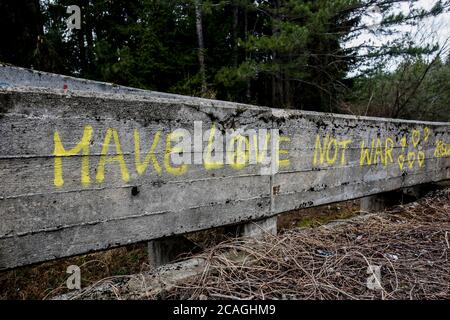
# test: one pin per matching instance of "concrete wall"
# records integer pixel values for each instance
(89, 169)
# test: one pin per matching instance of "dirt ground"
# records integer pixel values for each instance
(311, 258)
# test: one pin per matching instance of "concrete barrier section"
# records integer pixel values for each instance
(88, 166)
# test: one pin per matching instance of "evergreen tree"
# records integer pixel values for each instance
(278, 53)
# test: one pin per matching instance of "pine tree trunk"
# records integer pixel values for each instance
(82, 52)
(248, 92)
(21, 26)
(235, 34)
(201, 44)
(276, 77)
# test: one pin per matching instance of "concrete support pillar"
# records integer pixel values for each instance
(419, 191)
(381, 201)
(257, 229)
(373, 203)
(166, 250)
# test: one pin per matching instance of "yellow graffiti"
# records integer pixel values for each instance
(260, 155)
(415, 156)
(426, 133)
(171, 150)
(329, 150)
(411, 159)
(379, 155)
(343, 144)
(366, 154)
(105, 158)
(239, 157)
(421, 158)
(285, 162)
(82, 146)
(208, 163)
(332, 145)
(141, 167)
(378, 152)
(416, 138)
(403, 142)
(382, 152)
(388, 148)
(318, 148)
(442, 149)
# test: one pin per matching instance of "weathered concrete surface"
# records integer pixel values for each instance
(122, 201)
(16, 77)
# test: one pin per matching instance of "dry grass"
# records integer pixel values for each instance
(49, 279)
(317, 216)
(409, 243)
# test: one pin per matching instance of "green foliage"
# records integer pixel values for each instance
(416, 90)
(278, 53)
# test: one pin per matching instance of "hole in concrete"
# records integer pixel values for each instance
(134, 191)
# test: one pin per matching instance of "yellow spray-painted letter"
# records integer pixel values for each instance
(142, 166)
(59, 152)
(105, 158)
